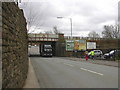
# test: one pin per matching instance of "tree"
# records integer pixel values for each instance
(55, 30)
(111, 31)
(32, 15)
(93, 34)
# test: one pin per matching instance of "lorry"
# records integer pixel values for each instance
(33, 50)
(46, 50)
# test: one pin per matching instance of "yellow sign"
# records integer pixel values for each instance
(80, 44)
(76, 44)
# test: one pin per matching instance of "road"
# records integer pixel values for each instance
(63, 73)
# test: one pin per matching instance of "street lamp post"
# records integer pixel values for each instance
(71, 26)
(70, 23)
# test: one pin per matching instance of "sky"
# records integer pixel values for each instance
(87, 15)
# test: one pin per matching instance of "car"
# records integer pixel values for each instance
(98, 53)
(112, 54)
(106, 56)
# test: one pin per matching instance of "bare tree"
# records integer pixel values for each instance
(32, 16)
(107, 33)
(93, 34)
(55, 30)
(111, 31)
(116, 31)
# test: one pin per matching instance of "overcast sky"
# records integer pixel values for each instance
(87, 15)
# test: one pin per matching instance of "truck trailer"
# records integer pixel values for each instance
(33, 50)
(46, 50)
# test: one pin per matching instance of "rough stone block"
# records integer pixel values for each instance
(15, 63)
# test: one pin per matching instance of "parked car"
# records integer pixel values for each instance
(112, 54)
(98, 53)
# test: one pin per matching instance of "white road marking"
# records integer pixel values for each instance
(91, 71)
(68, 64)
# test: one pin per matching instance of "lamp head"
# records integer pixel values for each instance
(59, 17)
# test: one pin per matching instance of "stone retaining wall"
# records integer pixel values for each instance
(14, 46)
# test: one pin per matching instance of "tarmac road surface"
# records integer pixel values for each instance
(60, 73)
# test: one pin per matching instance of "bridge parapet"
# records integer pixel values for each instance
(43, 37)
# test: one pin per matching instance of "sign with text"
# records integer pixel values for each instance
(69, 45)
(76, 45)
(82, 44)
(91, 45)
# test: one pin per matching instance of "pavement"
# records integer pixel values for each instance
(32, 81)
(101, 62)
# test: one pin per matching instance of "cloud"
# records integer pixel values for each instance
(87, 15)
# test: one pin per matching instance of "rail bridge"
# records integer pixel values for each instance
(53, 39)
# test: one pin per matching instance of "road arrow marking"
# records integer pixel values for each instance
(91, 71)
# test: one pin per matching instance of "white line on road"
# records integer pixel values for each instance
(91, 71)
(68, 64)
